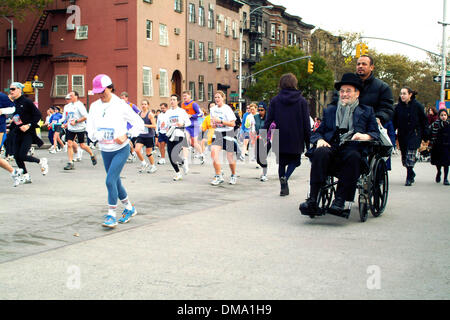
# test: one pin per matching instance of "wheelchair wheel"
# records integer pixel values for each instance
(326, 194)
(379, 190)
(363, 208)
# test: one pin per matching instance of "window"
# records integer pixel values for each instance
(290, 38)
(61, 85)
(163, 83)
(218, 58)
(192, 89)
(201, 51)
(191, 49)
(191, 16)
(147, 85)
(201, 91)
(235, 61)
(211, 19)
(244, 48)
(201, 16)
(149, 29)
(253, 49)
(44, 38)
(163, 35)
(210, 52)
(227, 27)
(78, 84)
(210, 92)
(244, 18)
(234, 29)
(226, 58)
(81, 33)
(179, 5)
(266, 30)
(272, 31)
(218, 26)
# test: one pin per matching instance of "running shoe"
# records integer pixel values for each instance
(94, 160)
(17, 176)
(143, 167)
(151, 169)
(44, 166)
(233, 179)
(110, 222)
(178, 177)
(263, 178)
(69, 166)
(52, 149)
(26, 179)
(127, 214)
(217, 180)
(162, 161)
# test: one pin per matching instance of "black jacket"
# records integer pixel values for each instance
(411, 122)
(290, 112)
(26, 113)
(363, 122)
(377, 94)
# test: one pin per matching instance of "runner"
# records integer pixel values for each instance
(223, 120)
(75, 116)
(146, 139)
(178, 120)
(161, 130)
(107, 124)
(23, 129)
(192, 131)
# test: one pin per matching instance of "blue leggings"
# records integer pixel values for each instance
(114, 163)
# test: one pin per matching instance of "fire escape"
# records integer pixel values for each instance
(34, 54)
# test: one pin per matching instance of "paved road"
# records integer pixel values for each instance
(194, 241)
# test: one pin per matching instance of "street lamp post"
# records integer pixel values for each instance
(12, 47)
(444, 55)
(241, 31)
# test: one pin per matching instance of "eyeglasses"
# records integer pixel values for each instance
(261, 109)
(12, 89)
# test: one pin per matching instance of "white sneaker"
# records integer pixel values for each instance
(152, 169)
(26, 179)
(217, 180)
(233, 179)
(185, 167)
(51, 149)
(263, 178)
(143, 167)
(178, 176)
(162, 161)
(17, 176)
(44, 166)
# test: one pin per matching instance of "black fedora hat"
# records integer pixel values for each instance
(350, 79)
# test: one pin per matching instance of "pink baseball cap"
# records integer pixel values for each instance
(100, 83)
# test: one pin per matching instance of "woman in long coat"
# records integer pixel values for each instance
(411, 122)
(290, 113)
(440, 145)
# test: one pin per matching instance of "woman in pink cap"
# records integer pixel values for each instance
(107, 124)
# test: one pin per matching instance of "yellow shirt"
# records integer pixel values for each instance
(206, 125)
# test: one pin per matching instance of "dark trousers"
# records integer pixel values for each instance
(343, 162)
(262, 151)
(22, 145)
(174, 149)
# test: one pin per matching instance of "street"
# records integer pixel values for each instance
(191, 240)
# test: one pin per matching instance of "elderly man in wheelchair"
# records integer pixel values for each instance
(340, 146)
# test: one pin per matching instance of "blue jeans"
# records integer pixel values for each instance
(114, 163)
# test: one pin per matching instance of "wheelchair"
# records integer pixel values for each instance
(372, 186)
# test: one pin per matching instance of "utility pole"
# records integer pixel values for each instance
(444, 56)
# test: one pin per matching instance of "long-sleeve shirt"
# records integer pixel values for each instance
(108, 121)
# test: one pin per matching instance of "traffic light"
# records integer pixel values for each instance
(364, 49)
(28, 89)
(358, 50)
(310, 66)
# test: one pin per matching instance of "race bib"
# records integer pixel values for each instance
(106, 135)
(16, 119)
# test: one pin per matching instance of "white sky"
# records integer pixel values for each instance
(410, 21)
